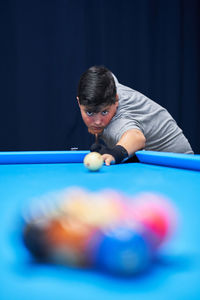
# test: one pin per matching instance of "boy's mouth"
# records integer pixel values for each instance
(96, 129)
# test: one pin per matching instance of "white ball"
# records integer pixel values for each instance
(93, 161)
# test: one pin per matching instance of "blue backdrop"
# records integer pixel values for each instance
(152, 46)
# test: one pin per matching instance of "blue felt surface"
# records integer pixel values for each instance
(175, 276)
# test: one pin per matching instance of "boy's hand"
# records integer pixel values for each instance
(108, 159)
(110, 156)
(102, 149)
(97, 147)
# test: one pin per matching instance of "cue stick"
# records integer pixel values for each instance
(96, 138)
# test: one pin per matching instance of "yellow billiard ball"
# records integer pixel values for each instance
(93, 161)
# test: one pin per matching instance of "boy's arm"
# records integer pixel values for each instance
(132, 140)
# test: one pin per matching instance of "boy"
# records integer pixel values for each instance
(126, 120)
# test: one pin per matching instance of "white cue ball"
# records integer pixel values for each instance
(93, 161)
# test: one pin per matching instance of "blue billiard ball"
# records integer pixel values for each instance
(123, 251)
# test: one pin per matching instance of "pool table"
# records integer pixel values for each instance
(25, 176)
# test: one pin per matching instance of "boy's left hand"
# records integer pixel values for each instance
(108, 159)
(103, 149)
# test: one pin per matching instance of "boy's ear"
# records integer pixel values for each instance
(78, 100)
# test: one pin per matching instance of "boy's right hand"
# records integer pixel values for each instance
(97, 147)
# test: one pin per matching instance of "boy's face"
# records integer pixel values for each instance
(96, 122)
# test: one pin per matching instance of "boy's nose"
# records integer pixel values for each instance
(97, 120)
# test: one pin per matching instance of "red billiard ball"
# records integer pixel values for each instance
(156, 214)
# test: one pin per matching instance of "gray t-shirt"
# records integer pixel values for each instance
(137, 111)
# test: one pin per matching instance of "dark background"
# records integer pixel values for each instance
(152, 46)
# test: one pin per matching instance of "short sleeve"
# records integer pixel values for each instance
(117, 128)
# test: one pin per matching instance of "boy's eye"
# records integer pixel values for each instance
(89, 113)
(104, 113)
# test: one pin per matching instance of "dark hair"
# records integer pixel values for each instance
(96, 88)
